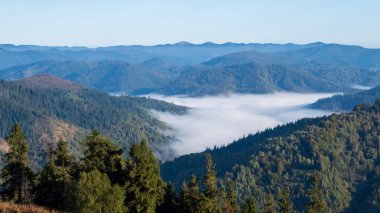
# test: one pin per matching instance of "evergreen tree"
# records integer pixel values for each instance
(170, 203)
(53, 188)
(16, 175)
(249, 205)
(144, 186)
(316, 203)
(102, 155)
(211, 202)
(191, 196)
(64, 157)
(230, 202)
(285, 204)
(94, 193)
(270, 204)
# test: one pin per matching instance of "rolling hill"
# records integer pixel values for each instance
(109, 76)
(342, 149)
(265, 78)
(62, 109)
(348, 101)
(204, 69)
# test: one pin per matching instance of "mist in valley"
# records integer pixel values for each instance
(219, 120)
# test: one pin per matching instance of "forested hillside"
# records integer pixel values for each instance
(348, 101)
(263, 78)
(343, 150)
(69, 111)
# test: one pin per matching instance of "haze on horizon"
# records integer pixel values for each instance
(96, 23)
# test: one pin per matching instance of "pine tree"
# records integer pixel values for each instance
(64, 158)
(211, 202)
(230, 203)
(285, 204)
(100, 154)
(16, 174)
(144, 186)
(249, 205)
(55, 179)
(316, 203)
(94, 193)
(270, 204)
(191, 196)
(170, 203)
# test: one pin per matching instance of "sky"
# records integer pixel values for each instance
(96, 23)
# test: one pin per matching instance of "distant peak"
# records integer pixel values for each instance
(183, 43)
(46, 81)
(209, 43)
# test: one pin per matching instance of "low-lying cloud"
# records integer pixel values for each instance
(218, 120)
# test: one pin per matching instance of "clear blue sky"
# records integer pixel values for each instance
(112, 22)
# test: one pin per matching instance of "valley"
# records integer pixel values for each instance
(270, 116)
(214, 121)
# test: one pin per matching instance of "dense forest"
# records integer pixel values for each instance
(48, 114)
(347, 102)
(328, 164)
(104, 181)
(254, 77)
(343, 150)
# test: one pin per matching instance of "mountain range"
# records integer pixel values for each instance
(198, 70)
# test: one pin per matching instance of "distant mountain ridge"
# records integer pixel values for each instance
(46, 81)
(348, 101)
(182, 53)
(200, 69)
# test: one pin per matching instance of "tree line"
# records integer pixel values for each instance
(103, 180)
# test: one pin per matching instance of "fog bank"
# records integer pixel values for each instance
(217, 120)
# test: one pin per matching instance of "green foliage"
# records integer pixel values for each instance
(285, 203)
(270, 204)
(316, 203)
(64, 156)
(210, 202)
(54, 187)
(16, 175)
(47, 113)
(170, 202)
(94, 193)
(348, 101)
(249, 205)
(101, 154)
(342, 149)
(230, 201)
(144, 186)
(191, 197)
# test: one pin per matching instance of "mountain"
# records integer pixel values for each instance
(353, 56)
(182, 53)
(342, 149)
(45, 81)
(61, 69)
(175, 69)
(109, 76)
(348, 101)
(61, 109)
(265, 78)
